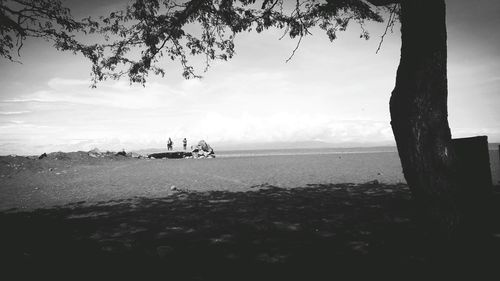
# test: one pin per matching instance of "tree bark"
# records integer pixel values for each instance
(419, 115)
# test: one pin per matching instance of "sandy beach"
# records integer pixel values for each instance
(28, 184)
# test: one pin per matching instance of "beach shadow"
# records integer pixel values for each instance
(270, 233)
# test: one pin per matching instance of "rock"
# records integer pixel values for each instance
(42, 156)
(170, 155)
(95, 153)
(58, 155)
(134, 155)
(203, 150)
(121, 153)
(173, 187)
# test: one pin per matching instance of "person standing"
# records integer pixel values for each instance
(169, 144)
(184, 143)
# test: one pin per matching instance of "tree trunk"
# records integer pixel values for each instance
(420, 117)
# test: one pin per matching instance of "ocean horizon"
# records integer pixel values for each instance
(290, 151)
(301, 151)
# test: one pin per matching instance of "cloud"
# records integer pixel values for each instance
(13, 112)
(23, 100)
(252, 105)
(64, 83)
(118, 94)
(284, 127)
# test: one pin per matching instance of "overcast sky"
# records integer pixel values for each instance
(332, 92)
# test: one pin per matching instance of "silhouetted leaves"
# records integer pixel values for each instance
(135, 38)
(47, 19)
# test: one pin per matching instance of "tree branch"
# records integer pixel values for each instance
(383, 2)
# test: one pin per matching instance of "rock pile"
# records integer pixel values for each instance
(134, 155)
(121, 153)
(203, 150)
(96, 153)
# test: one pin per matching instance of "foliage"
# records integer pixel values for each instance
(47, 19)
(136, 38)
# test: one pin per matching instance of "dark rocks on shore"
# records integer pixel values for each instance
(59, 155)
(201, 150)
(95, 153)
(81, 155)
(121, 153)
(134, 155)
(170, 155)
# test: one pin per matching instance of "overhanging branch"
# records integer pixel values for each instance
(383, 2)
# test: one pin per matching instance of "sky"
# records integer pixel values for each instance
(337, 93)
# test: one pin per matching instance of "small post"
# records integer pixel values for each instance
(474, 161)
(474, 175)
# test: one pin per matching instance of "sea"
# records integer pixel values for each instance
(303, 151)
